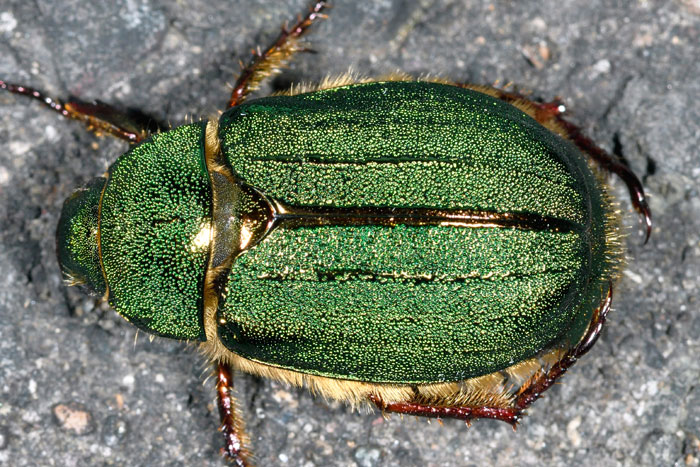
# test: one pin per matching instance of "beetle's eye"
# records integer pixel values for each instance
(76, 238)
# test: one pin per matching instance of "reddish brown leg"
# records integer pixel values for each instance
(533, 391)
(98, 116)
(264, 64)
(467, 414)
(552, 110)
(231, 426)
(528, 394)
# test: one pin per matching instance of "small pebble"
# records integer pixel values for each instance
(74, 417)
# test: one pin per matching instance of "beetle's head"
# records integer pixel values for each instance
(76, 238)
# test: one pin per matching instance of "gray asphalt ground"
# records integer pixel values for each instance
(77, 387)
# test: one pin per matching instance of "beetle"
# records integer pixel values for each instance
(427, 247)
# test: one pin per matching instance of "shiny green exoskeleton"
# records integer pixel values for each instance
(408, 232)
(433, 249)
(433, 233)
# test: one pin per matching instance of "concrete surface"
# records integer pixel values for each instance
(78, 388)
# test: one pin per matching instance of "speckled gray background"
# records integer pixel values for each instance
(630, 74)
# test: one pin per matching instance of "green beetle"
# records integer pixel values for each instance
(428, 247)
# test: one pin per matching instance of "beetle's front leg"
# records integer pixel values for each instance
(235, 439)
(97, 116)
(269, 62)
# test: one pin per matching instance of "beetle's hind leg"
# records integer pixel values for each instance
(533, 389)
(549, 114)
(97, 116)
(465, 413)
(528, 392)
(269, 62)
(552, 111)
(235, 440)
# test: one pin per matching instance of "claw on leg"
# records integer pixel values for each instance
(607, 161)
(551, 112)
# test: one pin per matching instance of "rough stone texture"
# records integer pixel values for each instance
(629, 74)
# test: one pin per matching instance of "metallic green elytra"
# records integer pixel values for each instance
(417, 285)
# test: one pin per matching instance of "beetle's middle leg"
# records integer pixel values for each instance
(528, 393)
(231, 424)
(97, 116)
(269, 62)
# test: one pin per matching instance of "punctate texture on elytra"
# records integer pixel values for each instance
(409, 302)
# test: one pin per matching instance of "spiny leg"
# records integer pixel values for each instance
(235, 439)
(98, 116)
(264, 64)
(435, 411)
(529, 392)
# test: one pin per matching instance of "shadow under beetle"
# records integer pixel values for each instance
(429, 247)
